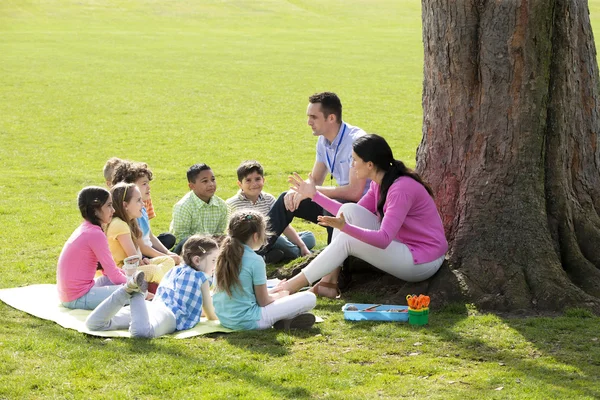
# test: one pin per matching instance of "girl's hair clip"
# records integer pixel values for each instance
(247, 217)
(202, 249)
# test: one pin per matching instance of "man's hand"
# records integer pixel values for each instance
(292, 200)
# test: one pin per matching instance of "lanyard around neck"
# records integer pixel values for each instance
(332, 164)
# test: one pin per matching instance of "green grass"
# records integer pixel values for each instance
(179, 82)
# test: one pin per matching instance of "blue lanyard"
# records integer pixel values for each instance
(332, 165)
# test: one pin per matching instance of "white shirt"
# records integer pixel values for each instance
(337, 156)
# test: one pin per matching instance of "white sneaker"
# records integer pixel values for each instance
(136, 283)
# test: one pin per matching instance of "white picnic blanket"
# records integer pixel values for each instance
(42, 301)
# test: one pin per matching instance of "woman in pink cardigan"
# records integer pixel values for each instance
(84, 251)
(395, 226)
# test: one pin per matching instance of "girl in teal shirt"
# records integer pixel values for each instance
(241, 298)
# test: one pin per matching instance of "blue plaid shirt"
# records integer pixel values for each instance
(179, 291)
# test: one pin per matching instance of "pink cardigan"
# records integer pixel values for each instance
(78, 260)
(410, 217)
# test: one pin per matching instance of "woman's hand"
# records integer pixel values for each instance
(334, 222)
(145, 261)
(304, 188)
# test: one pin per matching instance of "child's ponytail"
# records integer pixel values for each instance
(229, 264)
(242, 225)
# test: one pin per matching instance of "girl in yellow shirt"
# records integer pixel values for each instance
(123, 232)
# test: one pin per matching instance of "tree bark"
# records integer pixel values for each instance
(510, 149)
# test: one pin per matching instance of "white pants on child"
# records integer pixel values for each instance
(143, 318)
(396, 259)
(285, 308)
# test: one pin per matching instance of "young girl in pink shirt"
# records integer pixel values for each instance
(395, 226)
(84, 251)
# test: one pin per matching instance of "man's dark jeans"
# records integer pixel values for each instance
(280, 217)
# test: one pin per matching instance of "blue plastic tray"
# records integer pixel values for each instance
(378, 314)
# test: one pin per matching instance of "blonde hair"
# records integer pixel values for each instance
(197, 245)
(242, 226)
(110, 166)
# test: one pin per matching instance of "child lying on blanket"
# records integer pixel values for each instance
(178, 303)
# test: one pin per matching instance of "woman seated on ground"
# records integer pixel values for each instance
(85, 250)
(395, 227)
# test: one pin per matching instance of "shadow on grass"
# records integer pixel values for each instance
(541, 334)
(565, 341)
(265, 342)
(227, 372)
(571, 341)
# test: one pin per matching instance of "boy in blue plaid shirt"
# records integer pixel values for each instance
(182, 294)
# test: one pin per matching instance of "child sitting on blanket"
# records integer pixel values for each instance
(84, 251)
(241, 298)
(123, 232)
(109, 170)
(177, 305)
(150, 245)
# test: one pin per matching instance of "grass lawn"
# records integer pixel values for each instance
(179, 82)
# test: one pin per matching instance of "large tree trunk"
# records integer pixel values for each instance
(510, 148)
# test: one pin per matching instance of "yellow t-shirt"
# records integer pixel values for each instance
(117, 227)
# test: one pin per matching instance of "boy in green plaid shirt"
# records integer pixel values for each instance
(199, 211)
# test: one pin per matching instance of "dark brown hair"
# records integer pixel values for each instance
(91, 199)
(131, 171)
(375, 149)
(247, 167)
(330, 104)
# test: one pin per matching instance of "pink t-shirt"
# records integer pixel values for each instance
(78, 261)
(410, 216)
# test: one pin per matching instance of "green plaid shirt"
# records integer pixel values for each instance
(191, 215)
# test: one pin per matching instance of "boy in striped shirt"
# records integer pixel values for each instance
(251, 181)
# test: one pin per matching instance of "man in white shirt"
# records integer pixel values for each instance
(333, 160)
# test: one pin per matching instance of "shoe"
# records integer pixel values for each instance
(274, 256)
(137, 283)
(302, 321)
(345, 277)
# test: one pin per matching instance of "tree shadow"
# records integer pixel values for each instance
(262, 342)
(476, 349)
(250, 341)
